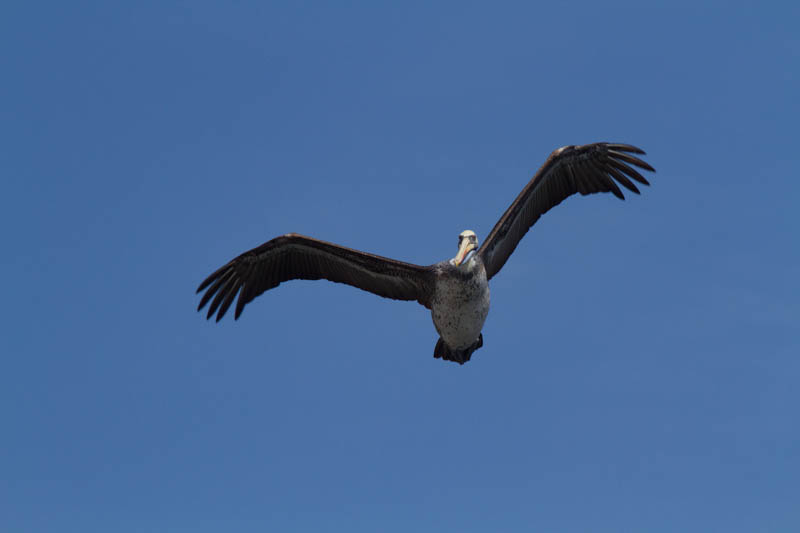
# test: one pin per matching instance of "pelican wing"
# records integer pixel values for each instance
(295, 256)
(583, 169)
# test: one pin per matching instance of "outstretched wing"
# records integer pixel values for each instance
(295, 256)
(583, 169)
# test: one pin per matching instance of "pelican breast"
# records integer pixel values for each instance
(461, 302)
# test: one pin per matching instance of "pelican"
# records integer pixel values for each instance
(455, 290)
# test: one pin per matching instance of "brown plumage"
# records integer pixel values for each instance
(583, 169)
(295, 256)
(586, 169)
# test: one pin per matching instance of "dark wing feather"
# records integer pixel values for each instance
(297, 257)
(583, 169)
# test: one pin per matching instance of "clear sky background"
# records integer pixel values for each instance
(641, 361)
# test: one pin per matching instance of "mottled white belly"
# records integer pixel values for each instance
(460, 307)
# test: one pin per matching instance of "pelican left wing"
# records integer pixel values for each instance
(295, 256)
(586, 169)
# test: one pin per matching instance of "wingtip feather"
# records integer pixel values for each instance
(626, 148)
(631, 160)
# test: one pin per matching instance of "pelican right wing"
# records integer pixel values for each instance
(586, 169)
(295, 256)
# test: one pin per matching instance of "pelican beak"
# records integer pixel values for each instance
(466, 246)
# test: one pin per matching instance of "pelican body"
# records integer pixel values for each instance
(456, 290)
(461, 302)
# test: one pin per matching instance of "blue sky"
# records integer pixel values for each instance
(640, 364)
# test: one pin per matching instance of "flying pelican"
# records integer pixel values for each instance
(455, 290)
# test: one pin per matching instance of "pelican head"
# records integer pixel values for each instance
(467, 242)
